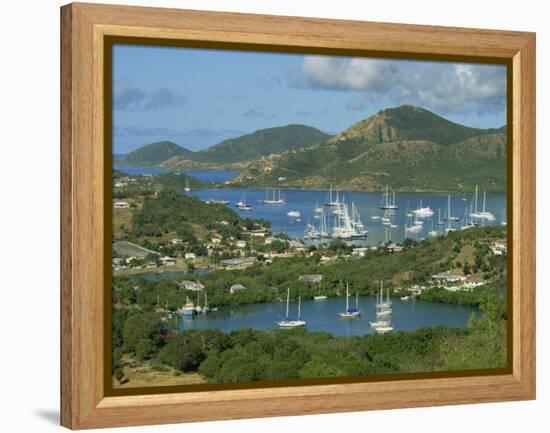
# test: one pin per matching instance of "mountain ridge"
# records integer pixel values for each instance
(407, 147)
(236, 150)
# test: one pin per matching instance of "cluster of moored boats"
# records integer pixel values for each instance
(336, 219)
(192, 309)
(383, 312)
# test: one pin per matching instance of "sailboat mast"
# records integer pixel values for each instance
(347, 296)
(484, 198)
(475, 202)
(299, 305)
(287, 299)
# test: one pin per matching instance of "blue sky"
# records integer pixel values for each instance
(198, 97)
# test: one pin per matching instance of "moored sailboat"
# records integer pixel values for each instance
(484, 214)
(288, 322)
(389, 204)
(351, 311)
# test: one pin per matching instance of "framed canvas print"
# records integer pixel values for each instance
(270, 216)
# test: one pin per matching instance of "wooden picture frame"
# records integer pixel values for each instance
(84, 182)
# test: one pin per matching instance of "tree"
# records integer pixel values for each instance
(142, 326)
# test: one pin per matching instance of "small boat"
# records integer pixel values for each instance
(383, 308)
(330, 202)
(450, 217)
(273, 199)
(405, 298)
(423, 212)
(189, 308)
(484, 214)
(318, 209)
(383, 329)
(379, 323)
(243, 205)
(187, 187)
(291, 323)
(294, 213)
(319, 297)
(350, 311)
(245, 208)
(389, 203)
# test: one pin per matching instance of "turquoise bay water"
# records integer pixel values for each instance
(213, 176)
(367, 204)
(323, 316)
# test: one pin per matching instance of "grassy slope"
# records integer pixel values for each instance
(263, 142)
(154, 154)
(406, 147)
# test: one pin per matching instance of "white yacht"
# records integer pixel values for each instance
(288, 322)
(351, 312)
(423, 212)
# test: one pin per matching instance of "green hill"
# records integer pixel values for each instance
(251, 146)
(263, 142)
(154, 153)
(407, 147)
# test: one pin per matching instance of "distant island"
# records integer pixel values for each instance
(409, 148)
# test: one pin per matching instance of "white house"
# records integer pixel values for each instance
(190, 256)
(195, 286)
(240, 244)
(359, 252)
(236, 288)
(122, 205)
(472, 283)
(499, 249)
(239, 262)
(168, 261)
(311, 278)
(447, 277)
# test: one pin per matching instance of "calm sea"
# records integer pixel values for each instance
(366, 203)
(323, 316)
(213, 176)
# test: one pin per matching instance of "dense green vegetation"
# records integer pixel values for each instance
(171, 214)
(261, 143)
(267, 283)
(145, 186)
(154, 153)
(407, 147)
(244, 148)
(250, 355)
(410, 148)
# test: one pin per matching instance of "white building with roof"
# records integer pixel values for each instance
(236, 288)
(195, 286)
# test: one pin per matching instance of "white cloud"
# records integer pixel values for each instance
(442, 86)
